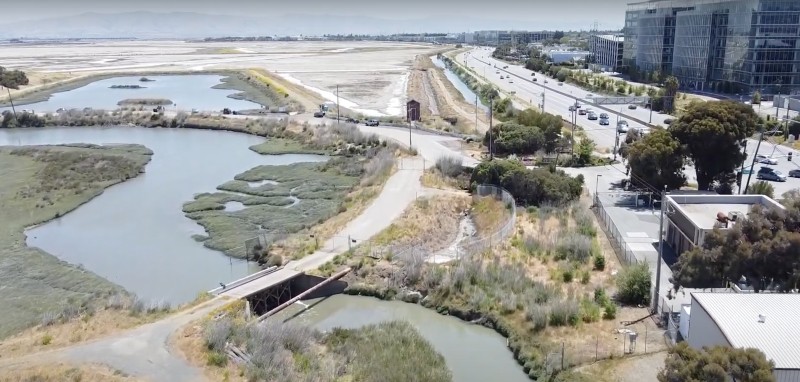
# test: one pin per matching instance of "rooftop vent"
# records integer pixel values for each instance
(762, 318)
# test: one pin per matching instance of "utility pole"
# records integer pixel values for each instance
(14, 110)
(572, 137)
(660, 250)
(408, 120)
(476, 114)
(760, 138)
(741, 171)
(337, 105)
(544, 93)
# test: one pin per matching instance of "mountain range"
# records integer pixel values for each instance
(147, 24)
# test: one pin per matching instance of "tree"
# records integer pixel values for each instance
(513, 138)
(761, 188)
(529, 187)
(562, 75)
(12, 79)
(633, 285)
(756, 98)
(549, 124)
(671, 86)
(716, 364)
(657, 161)
(763, 247)
(585, 150)
(712, 134)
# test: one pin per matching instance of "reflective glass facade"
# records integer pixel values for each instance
(735, 46)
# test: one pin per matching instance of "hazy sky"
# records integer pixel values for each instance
(550, 14)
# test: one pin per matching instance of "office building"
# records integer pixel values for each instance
(607, 51)
(495, 37)
(718, 45)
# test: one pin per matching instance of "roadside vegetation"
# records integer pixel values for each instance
(59, 372)
(233, 349)
(41, 183)
(145, 102)
(553, 281)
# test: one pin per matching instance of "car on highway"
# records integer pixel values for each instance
(622, 129)
(768, 173)
(351, 120)
(572, 108)
(578, 105)
(794, 173)
(497, 72)
(372, 122)
(760, 158)
(592, 116)
(560, 84)
(501, 77)
(534, 80)
(603, 116)
(632, 107)
(604, 121)
(582, 112)
(510, 81)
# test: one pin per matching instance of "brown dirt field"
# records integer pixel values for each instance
(640, 368)
(64, 372)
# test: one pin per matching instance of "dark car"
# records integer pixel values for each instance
(226, 111)
(351, 120)
(572, 108)
(603, 116)
(373, 122)
(668, 121)
(319, 114)
(632, 107)
(582, 112)
(794, 173)
(592, 116)
(768, 173)
(604, 122)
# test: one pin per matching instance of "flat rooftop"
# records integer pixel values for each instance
(611, 37)
(702, 210)
(737, 316)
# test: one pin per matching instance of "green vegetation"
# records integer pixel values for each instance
(485, 91)
(41, 183)
(255, 86)
(633, 285)
(320, 189)
(656, 160)
(12, 79)
(761, 187)
(277, 146)
(764, 247)
(145, 102)
(541, 186)
(718, 363)
(280, 351)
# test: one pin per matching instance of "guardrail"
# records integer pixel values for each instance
(244, 280)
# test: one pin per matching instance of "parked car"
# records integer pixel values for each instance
(604, 121)
(592, 116)
(603, 116)
(794, 173)
(632, 107)
(319, 114)
(351, 120)
(766, 159)
(582, 112)
(226, 111)
(373, 122)
(768, 173)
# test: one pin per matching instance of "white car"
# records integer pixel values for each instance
(765, 159)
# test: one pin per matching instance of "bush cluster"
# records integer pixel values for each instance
(529, 187)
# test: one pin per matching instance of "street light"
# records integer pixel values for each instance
(596, 183)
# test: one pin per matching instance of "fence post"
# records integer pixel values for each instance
(562, 356)
(645, 338)
(596, 344)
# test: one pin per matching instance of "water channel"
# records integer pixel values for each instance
(462, 88)
(472, 352)
(187, 92)
(135, 233)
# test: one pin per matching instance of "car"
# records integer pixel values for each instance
(622, 122)
(319, 114)
(632, 107)
(760, 158)
(372, 122)
(572, 108)
(589, 95)
(505, 67)
(545, 81)
(534, 80)
(510, 81)
(604, 122)
(351, 120)
(794, 173)
(578, 105)
(497, 72)
(560, 84)
(768, 173)
(622, 129)
(603, 116)
(501, 77)
(582, 112)
(227, 111)
(592, 116)
(533, 73)
(668, 121)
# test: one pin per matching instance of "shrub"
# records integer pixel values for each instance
(49, 318)
(275, 261)
(537, 315)
(599, 262)
(47, 339)
(567, 275)
(609, 311)
(574, 247)
(600, 296)
(563, 313)
(216, 359)
(633, 285)
(590, 312)
(449, 166)
(585, 277)
(529, 187)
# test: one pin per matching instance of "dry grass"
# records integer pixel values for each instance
(63, 372)
(38, 81)
(489, 215)
(429, 222)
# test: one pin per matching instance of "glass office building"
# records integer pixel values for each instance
(732, 46)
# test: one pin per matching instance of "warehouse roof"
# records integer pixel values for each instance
(737, 316)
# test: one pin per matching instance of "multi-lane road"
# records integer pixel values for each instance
(558, 99)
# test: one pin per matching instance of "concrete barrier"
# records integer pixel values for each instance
(244, 280)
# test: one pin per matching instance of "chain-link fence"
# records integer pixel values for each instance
(617, 240)
(481, 243)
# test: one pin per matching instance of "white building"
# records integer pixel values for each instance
(607, 51)
(769, 322)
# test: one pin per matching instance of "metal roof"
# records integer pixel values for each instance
(737, 316)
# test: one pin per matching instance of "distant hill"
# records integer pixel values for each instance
(197, 25)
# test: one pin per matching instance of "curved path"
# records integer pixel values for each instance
(144, 351)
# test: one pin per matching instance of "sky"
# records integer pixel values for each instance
(564, 14)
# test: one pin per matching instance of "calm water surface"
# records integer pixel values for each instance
(135, 233)
(472, 352)
(187, 92)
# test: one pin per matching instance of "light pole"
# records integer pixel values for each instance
(660, 249)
